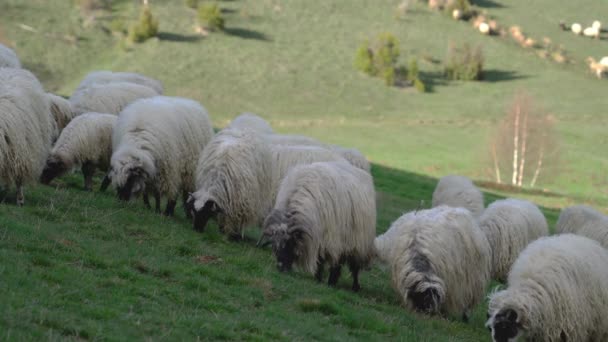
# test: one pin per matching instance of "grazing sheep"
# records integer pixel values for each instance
(591, 32)
(458, 191)
(324, 213)
(600, 69)
(109, 98)
(8, 58)
(484, 28)
(87, 142)
(156, 142)
(510, 225)
(440, 259)
(353, 156)
(585, 221)
(105, 77)
(238, 176)
(61, 111)
(558, 291)
(26, 129)
(251, 121)
(576, 28)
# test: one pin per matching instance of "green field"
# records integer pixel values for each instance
(77, 265)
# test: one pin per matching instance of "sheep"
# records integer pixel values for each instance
(87, 142)
(105, 77)
(8, 58)
(600, 69)
(156, 143)
(26, 129)
(510, 225)
(591, 32)
(458, 191)
(110, 98)
(484, 28)
(576, 28)
(61, 111)
(597, 25)
(238, 176)
(558, 291)
(353, 156)
(325, 212)
(251, 121)
(585, 221)
(440, 260)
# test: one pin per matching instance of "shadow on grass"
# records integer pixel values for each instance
(228, 10)
(494, 75)
(432, 80)
(487, 3)
(246, 33)
(176, 37)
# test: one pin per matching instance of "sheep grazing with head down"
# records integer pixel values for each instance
(105, 77)
(583, 220)
(87, 142)
(251, 121)
(156, 142)
(459, 192)
(510, 225)
(324, 213)
(26, 129)
(558, 291)
(440, 259)
(109, 98)
(238, 176)
(8, 58)
(61, 111)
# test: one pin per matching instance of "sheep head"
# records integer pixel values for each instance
(287, 242)
(55, 167)
(426, 297)
(130, 172)
(504, 325)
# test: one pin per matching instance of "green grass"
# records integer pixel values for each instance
(82, 265)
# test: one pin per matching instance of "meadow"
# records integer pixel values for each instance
(78, 265)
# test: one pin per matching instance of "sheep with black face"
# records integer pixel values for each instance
(557, 291)
(324, 213)
(440, 260)
(156, 142)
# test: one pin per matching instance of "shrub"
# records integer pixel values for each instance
(192, 4)
(210, 17)
(364, 60)
(464, 63)
(380, 58)
(419, 85)
(464, 6)
(146, 27)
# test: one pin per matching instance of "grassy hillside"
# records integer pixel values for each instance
(82, 265)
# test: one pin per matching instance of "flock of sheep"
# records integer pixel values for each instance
(316, 203)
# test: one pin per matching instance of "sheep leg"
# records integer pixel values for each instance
(146, 200)
(465, 316)
(334, 275)
(170, 209)
(157, 201)
(88, 169)
(185, 199)
(104, 183)
(320, 269)
(20, 197)
(354, 270)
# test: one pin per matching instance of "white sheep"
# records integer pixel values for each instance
(591, 32)
(510, 225)
(585, 221)
(558, 291)
(86, 142)
(484, 28)
(440, 260)
(156, 142)
(110, 98)
(324, 213)
(105, 77)
(458, 191)
(238, 176)
(8, 58)
(576, 28)
(251, 121)
(596, 25)
(26, 129)
(61, 111)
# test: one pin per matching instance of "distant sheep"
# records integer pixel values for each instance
(558, 290)
(458, 191)
(105, 77)
(61, 111)
(510, 225)
(576, 28)
(585, 221)
(440, 259)
(238, 176)
(87, 142)
(8, 58)
(324, 213)
(251, 121)
(156, 142)
(109, 98)
(26, 129)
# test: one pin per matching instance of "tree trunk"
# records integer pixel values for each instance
(523, 150)
(538, 166)
(496, 168)
(515, 144)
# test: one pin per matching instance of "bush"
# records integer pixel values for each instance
(419, 85)
(364, 60)
(210, 17)
(465, 63)
(192, 4)
(146, 27)
(464, 6)
(380, 58)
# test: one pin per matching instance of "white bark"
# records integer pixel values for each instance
(523, 150)
(496, 168)
(538, 166)
(515, 143)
